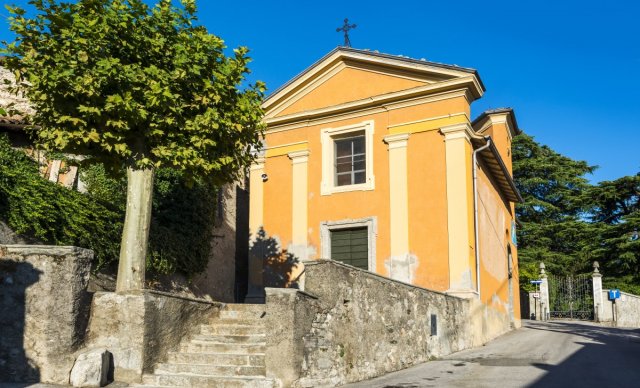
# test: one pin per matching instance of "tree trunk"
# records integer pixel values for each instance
(135, 235)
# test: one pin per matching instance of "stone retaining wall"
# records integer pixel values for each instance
(44, 308)
(350, 325)
(45, 324)
(140, 328)
(625, 312)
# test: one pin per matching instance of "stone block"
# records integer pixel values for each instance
(91, 369)
(44, 307)
(140, 328)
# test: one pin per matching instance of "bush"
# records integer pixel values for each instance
(38, 208)
(181, 225)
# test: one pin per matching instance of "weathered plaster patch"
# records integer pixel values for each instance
(402, 268)
(302, 252)
(465, 282)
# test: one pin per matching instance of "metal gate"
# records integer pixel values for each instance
(571, 297)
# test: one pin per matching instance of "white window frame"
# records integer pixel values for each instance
(327, 139)
(371, 223)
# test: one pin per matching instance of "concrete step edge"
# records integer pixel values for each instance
(238, 378)
(215, 366)
(223, 323)
(228, 339)
(217, 353)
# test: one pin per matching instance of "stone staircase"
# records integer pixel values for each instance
(228, 352)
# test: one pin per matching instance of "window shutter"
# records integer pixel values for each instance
(351, 246)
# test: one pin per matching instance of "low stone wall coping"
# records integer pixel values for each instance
(48, 250)
(375, 275)
(276, 290)
(187, 298)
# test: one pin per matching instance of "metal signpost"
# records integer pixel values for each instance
(613, 296)
(536, 296)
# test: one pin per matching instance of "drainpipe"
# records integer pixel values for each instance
(475, 210)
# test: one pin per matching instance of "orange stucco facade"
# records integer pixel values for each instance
(419, 202)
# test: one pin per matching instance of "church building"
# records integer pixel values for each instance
(374, 160)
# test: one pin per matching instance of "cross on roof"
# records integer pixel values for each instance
(346, 27)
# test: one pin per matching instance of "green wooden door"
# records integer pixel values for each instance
(350, 246)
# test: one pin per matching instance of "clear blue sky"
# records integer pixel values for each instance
(570, 69)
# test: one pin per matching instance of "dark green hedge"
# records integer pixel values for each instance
(181, 226)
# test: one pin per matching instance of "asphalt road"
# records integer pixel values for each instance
(554, 354)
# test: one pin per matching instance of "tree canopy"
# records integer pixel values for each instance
(568, 222)
(123, 82)
(137, 88)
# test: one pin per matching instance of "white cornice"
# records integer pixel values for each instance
(257, 164)
(459, 84)
(366, 111)
(397, 141)
(457, 131)
(299, 157)
(497, 118)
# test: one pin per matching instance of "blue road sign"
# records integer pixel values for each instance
(535, 281)
(614, 294)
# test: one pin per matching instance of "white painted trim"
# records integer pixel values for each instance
(371, 223)
(397, 141)
(299, 204)
(459, 131)
(299, 157)
(396, 73)
(327, 136)
(456, 84)
(258, 164)
(285, 145)
(275, 127)
(429, 119)
(497, 118)
(398, 196)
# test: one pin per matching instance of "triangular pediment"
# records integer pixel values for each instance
(347, 76)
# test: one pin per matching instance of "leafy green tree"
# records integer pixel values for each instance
(181, 220)
(551, 184)
(615, 209)
(612, 201)
(136, 87)
(568, 223)
(553, 228)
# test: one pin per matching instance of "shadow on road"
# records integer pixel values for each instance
(609, 357)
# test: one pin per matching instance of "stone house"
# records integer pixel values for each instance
(374, 160)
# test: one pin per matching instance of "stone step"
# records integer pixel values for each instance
(244, 307)
(224, 348)
(194, 380)
(217, 359)
(253, 321)
(211, 370)
(242, 314)
(229, 339)
(231, 329)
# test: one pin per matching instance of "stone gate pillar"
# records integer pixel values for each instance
(544, 293)
(597, 292)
